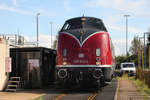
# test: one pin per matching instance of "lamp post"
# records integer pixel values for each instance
(126, 16)
(51, 32)
(37, 28)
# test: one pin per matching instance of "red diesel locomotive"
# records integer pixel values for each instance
(85, 53)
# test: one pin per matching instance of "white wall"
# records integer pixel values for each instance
(4, 52)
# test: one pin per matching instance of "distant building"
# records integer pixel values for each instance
(5, 63)
(16, 40)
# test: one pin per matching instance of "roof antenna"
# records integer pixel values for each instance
(83, 15)
(83, 18)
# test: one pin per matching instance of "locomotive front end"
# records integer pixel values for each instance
(83, 52)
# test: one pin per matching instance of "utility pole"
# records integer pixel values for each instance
(145, 59)
(126, 17)
(51, 32)
(37, 28)
(141, 53)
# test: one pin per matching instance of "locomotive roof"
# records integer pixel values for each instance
(86, 18)
(84, 22)
(82, 27)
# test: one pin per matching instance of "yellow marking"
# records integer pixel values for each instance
(59, 96)
(117, 91)
(92, 96)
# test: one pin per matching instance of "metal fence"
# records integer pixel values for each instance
(144, 75)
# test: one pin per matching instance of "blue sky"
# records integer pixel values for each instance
(21, 15)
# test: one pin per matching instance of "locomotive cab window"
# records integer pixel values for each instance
(72, 25)
(64, 52)
(84, 22)
(66, 26)
(97, 52)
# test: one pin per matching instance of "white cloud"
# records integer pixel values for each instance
(13, 9)
(14, 2)
(45, 12)
(121, 41)
(26, 38)
(123, 29)
(111, 19)
(117, 51)
(120, 46)
(112, 23)
(44, 40)
(142, 15)
(124, 5)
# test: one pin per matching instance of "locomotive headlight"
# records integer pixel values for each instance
(62, 73)
(98, 63)
(64, 63)
(97, 73)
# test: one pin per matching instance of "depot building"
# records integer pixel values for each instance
(25, 67)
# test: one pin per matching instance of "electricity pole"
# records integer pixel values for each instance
(37, 28)
(51, 32)
(126, 17)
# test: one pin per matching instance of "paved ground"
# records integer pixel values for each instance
(21, 95)
(106, 93)
(128, 91)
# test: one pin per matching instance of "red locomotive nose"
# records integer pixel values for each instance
(84, 51)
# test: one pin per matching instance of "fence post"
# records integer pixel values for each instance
(138, 59)
(142, 60)
(149, 56)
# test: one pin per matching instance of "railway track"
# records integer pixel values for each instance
(92, 96)
(106, 93)
(60, 97)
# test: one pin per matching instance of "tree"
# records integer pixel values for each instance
(135, 45)
(120, 59)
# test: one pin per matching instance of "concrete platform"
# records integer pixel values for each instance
(128, 91)
(21, 95)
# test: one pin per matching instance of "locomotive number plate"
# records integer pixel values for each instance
(80, 61)
(81, 55)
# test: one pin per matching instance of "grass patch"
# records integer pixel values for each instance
(39, 98)
(141, 87)
(117, 70)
